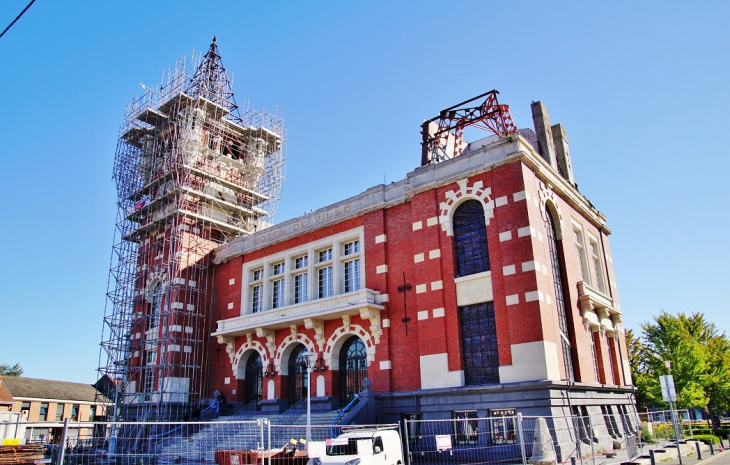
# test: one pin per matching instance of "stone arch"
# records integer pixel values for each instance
(548, 202)
(152, 280)
(454, 198)
(285, 349)
(337, 340)
(242, 355)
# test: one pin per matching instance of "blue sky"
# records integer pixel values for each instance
(641, 88)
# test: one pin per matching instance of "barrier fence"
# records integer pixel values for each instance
(466, 438)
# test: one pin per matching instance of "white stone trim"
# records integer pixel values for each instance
(335, 341)
(521, 195)
(230, 305)
(232, 281)
(418, 258)
(433, 221)
(453, 198)
(513, 299)
(505, 236)
(417, 225)
(435, 372)
(531, 361)
(423, 315)
(385, 365)
(436, 253)
(500, 201)
(529, 266)
(380, 238)
(437, 285)
(386, 322)
(438, 313)
(380, 269)
(508, 270)
(534, 295)
(420, 288)
(526, 231)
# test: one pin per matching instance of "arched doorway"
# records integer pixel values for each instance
(353, 369)
(254, 386)
(297, 375)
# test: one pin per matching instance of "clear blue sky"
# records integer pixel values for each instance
(641, 87)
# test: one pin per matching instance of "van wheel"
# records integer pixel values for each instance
(398, 463)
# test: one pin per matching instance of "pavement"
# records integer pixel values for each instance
(667, 455)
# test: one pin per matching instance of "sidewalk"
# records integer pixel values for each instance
(720, 458)
(667, 455)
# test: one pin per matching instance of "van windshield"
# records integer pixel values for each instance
(344, 449)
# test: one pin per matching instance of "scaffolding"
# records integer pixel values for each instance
(192, 171)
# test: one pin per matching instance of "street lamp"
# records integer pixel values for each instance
(311, 358)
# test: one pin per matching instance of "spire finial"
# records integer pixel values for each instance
(213, 38)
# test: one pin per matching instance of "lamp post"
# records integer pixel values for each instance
(311, 358)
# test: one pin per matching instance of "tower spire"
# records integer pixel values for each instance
(211, 81)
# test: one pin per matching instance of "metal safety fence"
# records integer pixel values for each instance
(470, 439)
(466, 438)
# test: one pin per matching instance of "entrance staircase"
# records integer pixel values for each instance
(198, 445)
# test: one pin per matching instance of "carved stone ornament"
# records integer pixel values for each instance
(477, 191)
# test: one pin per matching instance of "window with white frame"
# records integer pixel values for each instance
(301, 279)
(610, 358)
(283, 279)
(257, 290)
(581, 254)
(324, 282)
(352, 275)
(277, 295)
(597, 268)
(351, 250)
(278, 269)
(592, 337)
(324, 255)
(325, 286)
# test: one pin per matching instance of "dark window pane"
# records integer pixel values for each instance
(470, 239)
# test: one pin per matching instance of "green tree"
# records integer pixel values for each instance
(7, 370)
(699, 356)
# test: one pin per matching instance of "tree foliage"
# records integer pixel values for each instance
(7, 370)
(699, 356)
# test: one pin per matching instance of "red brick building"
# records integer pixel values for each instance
(481, 282)
(486, 280)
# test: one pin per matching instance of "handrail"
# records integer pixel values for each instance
(183, 425)
(345, 410)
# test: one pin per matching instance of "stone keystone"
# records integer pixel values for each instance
(543, 452)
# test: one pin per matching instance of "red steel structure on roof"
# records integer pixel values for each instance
(488, 115)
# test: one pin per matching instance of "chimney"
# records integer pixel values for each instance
(544, 134)
(562, 153)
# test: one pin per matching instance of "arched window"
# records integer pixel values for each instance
(353, 369)
(560, 297)
(297, 375)
(470, 239)
(155, 307)
(480, 357)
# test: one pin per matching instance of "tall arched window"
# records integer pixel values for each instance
(470, 239)
(560, 297)
(478, 325)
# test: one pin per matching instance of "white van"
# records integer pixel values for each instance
(366, 446)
